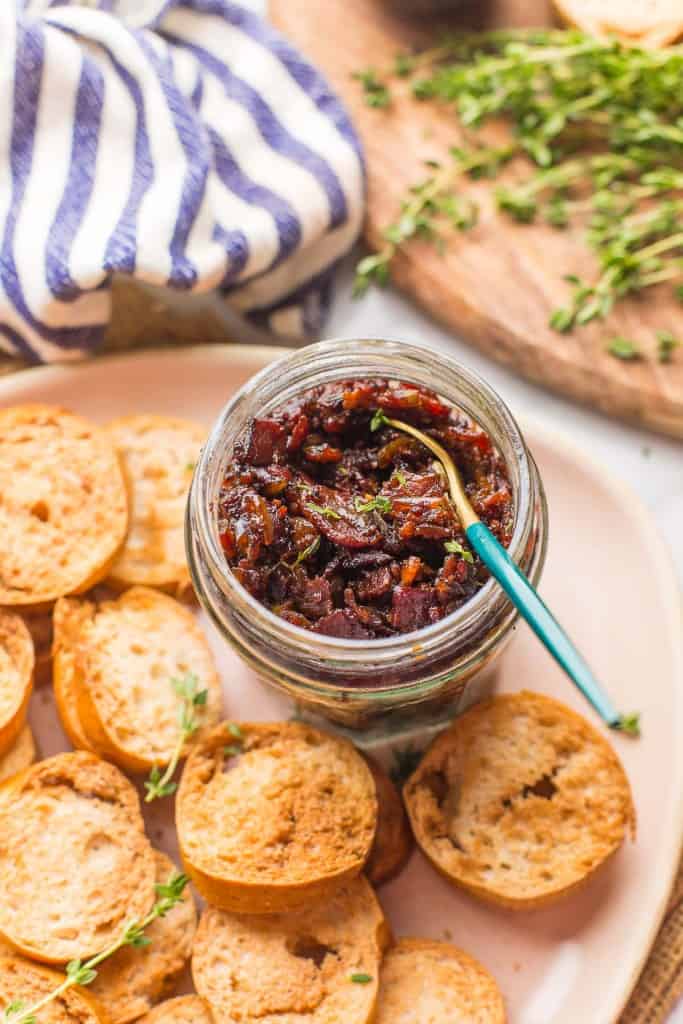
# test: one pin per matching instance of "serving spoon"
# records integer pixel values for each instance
(517, 586)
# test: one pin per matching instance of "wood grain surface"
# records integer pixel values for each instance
(497, 284)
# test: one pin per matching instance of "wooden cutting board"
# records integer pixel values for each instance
(497, 284)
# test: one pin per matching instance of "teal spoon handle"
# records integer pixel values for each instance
(542, 621)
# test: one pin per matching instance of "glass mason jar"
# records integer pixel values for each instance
(389, 683)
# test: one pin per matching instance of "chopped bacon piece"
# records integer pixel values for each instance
(342, 623)
(410, 608)
(265, 439)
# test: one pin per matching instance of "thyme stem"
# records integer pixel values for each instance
(82, 974)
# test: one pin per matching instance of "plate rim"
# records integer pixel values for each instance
(664, 566)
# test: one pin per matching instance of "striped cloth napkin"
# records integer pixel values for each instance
(182, 142)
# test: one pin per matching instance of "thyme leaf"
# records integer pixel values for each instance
(377, 504)
(454, 547)
(630, 724)
(625, 349)
(303, 555)
(374, 90)
(666, 346)
(322, 510)
(379, 420)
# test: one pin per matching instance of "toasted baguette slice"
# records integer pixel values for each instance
(158, 455)
(75, 864)
(281, 824)
(646, 23)
(28, 983)
(393, 842)
(183, 1010)
(129, 654)
(423, 981)
(64, 511)
(16, 676)
(520, 800)
(135, 980)
(295, 967)
(20, 755)
(70, 615)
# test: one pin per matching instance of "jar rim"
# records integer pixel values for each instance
(341, 650)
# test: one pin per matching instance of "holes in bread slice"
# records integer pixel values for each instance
(100, 852)
(447, 794)
(437, 784)
(445, 791)
(543, 787)
(307, 947)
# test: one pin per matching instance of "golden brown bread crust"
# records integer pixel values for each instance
(40, 627)
(519, 801)
(70, 615)
(422, 981)
(297, 967)
(114, 667)
(20, 755)
(29, 982)
(158, 454)
(71, 826)
(135, 980)
(393, 842)
(16, 676)
(183, 1010)
(279, 826)
(64, 511)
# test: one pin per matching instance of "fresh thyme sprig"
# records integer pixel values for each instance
(84, 973)
(601, 122)
(454, 547)
(430, 203)
(322, 510)
(192, 699)
(379, 420)
(629, 724)
(380, 503)
(302, 555)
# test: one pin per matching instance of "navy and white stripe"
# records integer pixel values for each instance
(188, 146)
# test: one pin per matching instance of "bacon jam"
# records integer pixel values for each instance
(349, 531)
